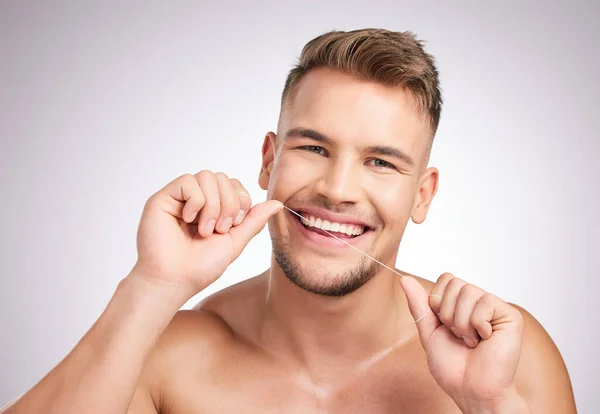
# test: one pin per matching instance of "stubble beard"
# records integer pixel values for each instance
(337, 285)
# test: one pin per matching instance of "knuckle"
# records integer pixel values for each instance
(435, 301)
(186, 177)
(445, 276)
(221, 176)
(456, 283)
(468, 290)
(487, 298)
(204, 174)
(189, 181)
(239, 187)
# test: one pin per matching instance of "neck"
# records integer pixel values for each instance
(360, 328)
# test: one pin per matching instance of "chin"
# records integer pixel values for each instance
(319, 279)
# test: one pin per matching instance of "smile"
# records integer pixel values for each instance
(344, 229)
(328, 231)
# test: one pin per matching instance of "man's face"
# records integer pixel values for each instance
(350, 157)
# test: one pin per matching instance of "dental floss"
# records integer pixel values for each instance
(358, 250)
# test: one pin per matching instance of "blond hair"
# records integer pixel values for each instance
(395, 59)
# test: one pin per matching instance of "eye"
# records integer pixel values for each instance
(376, 162)
(315, 148)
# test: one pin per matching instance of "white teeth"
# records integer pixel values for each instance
(349, 229)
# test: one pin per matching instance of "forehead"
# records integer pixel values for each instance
(346, 108)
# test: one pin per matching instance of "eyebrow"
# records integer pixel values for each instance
(382, 150)
(391, 152)
(308, 133)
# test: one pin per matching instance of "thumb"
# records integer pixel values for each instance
(418, 303)
(253, 223)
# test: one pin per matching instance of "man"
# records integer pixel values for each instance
(326, 329)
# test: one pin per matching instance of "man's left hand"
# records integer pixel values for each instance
(472, 340)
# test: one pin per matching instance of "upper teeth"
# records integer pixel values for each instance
(349, 229)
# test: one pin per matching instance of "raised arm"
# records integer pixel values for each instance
(180, 252)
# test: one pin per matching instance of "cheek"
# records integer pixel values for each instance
(394, 203)
(291, 173)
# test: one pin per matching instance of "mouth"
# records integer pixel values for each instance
(326, 228)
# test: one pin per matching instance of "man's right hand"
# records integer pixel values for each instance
(179, 254)
(192, 229)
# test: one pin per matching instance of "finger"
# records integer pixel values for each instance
(437, 293)
(253, 223)
(212, 206)
(187, 197)
(196, 201)
(448, 305)
(418, 304)
(492, 314)
(467, 300)
(483, 314)
(230, 204)
(244, 199)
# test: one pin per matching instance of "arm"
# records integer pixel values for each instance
(100, 375)
(180, 252)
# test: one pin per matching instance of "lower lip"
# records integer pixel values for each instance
(324, 240)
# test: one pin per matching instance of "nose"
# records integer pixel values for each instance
(341, 183)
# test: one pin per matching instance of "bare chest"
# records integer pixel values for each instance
(244, 387)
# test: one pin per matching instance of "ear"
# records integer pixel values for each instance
(268, 157)
(427, 190)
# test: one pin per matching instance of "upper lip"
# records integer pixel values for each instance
(331, 217)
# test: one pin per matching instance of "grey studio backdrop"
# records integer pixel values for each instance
(103, 103)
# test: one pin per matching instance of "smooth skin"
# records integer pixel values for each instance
(265, 345)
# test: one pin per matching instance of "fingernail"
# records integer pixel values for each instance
(192, 216)
(210, 226)
(239, 218)
(279, 205)
(469, 341)
(225, 225)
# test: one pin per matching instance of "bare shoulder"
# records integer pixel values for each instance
(194, 328)
(238, 305)
(214, 323)
(196, 346)
(542, 377)
(190, 337)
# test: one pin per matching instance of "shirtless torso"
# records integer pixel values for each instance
(212, 360)
(324, 330)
